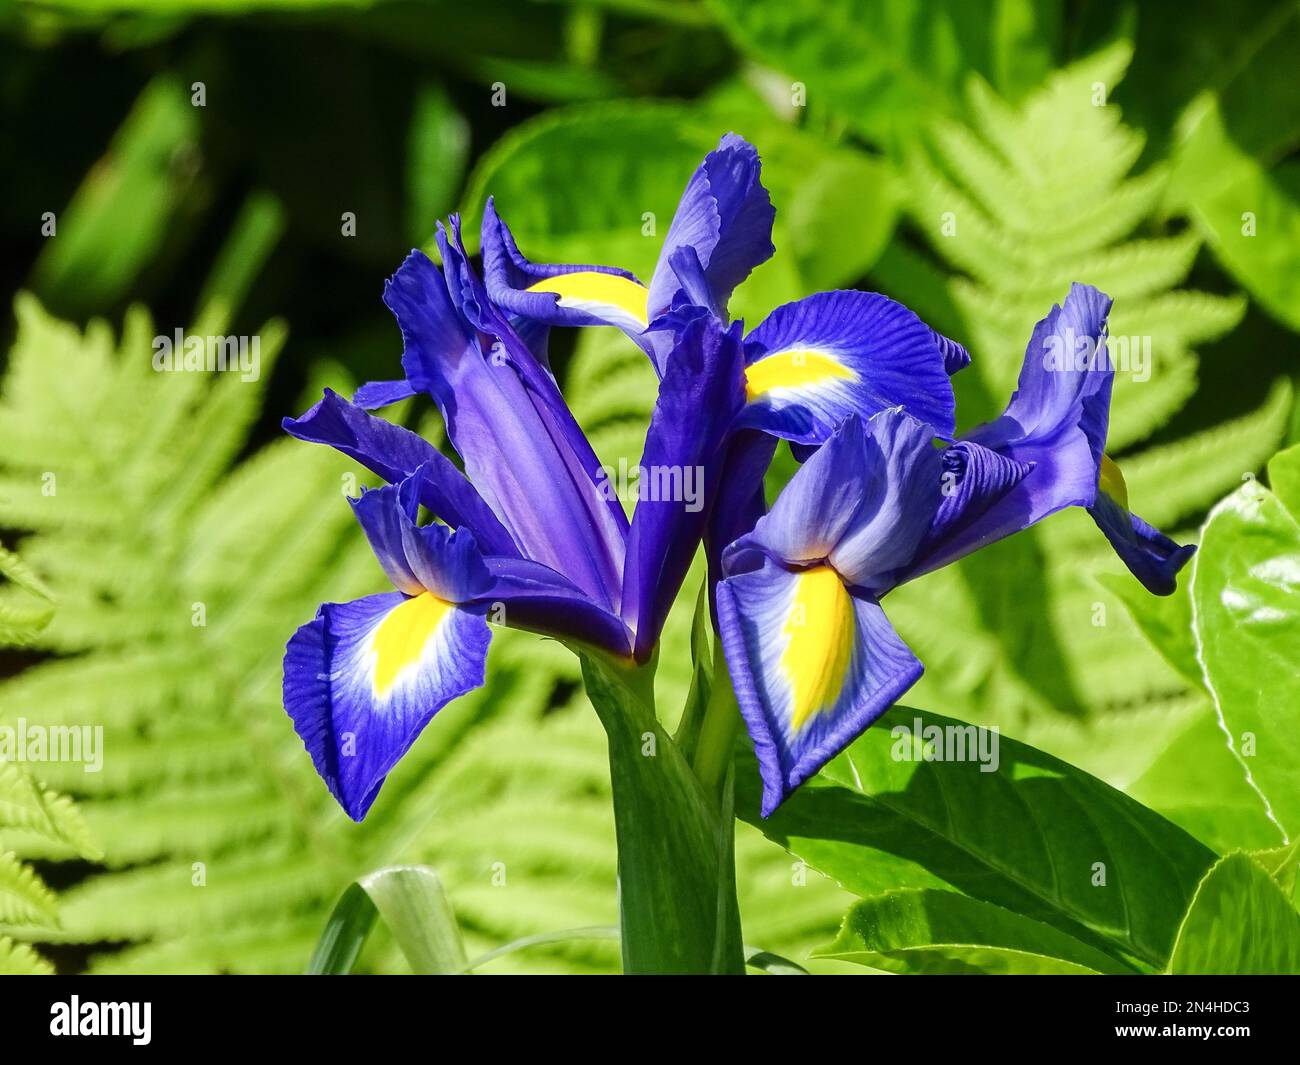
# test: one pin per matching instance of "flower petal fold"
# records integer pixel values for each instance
(1151, 556)
(394, 453)
(863, 502)
(557, 294)
(725, 217)
(813, 665)
(521, 449)
(363, 679)
(1054, 429)
(680, 470)
(812, 363)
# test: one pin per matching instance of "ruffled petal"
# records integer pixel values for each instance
(558, 294)
(814, 362)
(725, 216)
(1054, 427)
(363, 679)
(813, 665)
(974, 481)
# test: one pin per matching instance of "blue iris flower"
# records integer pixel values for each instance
(528, 533)
(813, 659)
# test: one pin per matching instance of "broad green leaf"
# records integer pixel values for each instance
(928, 931)
(1035, 836)
(591, 184)
(676, 888)
(1246, 618)
(1282, 864)
(1239, 923)
(600, 184)
(1284, 478)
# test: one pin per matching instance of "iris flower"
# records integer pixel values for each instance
(526, 533)
(813, 659)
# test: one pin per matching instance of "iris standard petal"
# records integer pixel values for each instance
(814, 362)
(725, 216)
(1055, 426)
(394, 453)
(680, 471)
(520, 459)
(363, 679)
(862, 502)
(1151, 556)
(813, 665)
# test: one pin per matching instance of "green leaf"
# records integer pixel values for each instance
(1246, 619)
(345, 934)
(1164, 620)
(676, 895)
(1239, 923)
(928, 931)
(1034, 837)
(1284, 478)
(414, 907)
(1249, 214)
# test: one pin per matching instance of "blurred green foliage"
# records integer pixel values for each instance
(202, 158)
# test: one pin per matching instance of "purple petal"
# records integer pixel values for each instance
(521, 450)
(363, 679)
(1151, 556)
(725, 215)
(814, 362)
(394, 454)
(813, 665)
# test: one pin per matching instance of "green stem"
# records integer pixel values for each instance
(713, 751)
(677, 898)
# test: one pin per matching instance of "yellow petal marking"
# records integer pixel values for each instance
(591, 287)
(819, 635)
(1112, 482)
(797, 368)
(401, 637)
